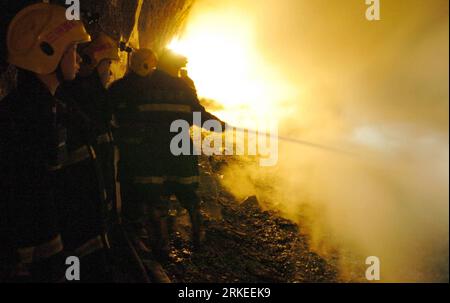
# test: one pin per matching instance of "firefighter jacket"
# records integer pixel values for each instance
(145, 108)
(49, 186)
(91, 97)
(31, 133)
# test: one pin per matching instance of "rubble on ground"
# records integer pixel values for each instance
(243, 243)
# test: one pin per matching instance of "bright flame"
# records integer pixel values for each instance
(227, 67)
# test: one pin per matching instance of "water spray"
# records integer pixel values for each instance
(296, 141)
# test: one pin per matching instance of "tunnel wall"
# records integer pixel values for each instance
(161, 20)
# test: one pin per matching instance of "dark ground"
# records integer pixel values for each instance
(243, 243)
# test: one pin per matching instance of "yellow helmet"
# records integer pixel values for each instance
(39, 35)
(143, 62)
(103, 47)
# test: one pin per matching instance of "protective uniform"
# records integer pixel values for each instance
(142, 63)
(48, 177)
(81, 192)
(145, 108)
(29, 147)
(91, 96)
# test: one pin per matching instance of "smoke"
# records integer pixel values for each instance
(377, 89)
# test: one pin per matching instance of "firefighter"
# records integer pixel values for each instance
(48, 174)
(89, 92)
(147, 108)
(175, 65)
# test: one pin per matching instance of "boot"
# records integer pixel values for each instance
(197, 227)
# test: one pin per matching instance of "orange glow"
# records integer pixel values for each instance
(227, 67)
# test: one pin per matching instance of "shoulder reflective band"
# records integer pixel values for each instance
(184, 180)
(178, 108)
(105, 138)
(81, 154)
(162, 180)
(29, 255)
(90, 247)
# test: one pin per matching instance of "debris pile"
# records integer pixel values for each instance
(243, 243)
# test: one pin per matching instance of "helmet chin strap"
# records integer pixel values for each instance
(60, 74)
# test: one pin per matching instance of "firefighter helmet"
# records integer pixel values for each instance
(103, 47)
(39, 35)
(143, 62)
(169, 58)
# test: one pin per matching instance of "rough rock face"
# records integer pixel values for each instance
(117, 17)
(161, 20)
(7, 74)
(157, 22)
